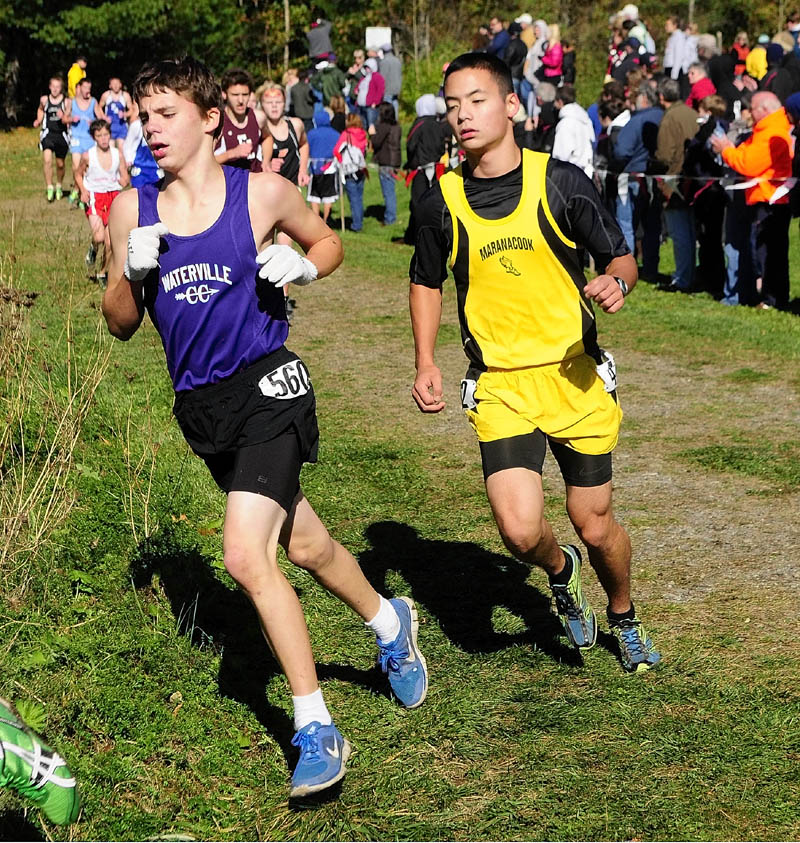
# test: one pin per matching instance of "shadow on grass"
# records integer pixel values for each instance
(14, 825)
(214, 615)
(462, 584)
(375, 211)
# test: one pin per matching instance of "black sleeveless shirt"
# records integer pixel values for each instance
(288, 151)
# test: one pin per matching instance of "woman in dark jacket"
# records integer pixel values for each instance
(385, 137)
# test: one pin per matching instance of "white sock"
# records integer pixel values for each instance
(309, 708)
(386, 624)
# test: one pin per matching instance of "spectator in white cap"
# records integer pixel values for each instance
(526, 22)
(391, 68)
(639, 30)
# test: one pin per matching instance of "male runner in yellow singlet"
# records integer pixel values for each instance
(512, 226)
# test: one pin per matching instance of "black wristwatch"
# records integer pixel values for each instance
(622, 285)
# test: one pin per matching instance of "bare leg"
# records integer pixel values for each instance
(608, 544)
(309, 545)
(250, 539)
(106, 251)
(60, 167)
(47, 163)
(517, 501)
(98, 230)
(76, 161)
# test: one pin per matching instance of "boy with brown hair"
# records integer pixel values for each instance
(194, 250)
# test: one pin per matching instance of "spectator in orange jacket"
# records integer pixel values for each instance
(767, 156)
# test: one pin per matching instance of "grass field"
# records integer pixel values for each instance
(126, 641)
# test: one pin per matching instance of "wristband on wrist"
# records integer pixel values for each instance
(622, 285)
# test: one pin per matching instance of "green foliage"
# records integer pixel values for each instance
(33, 714)
(118, 35)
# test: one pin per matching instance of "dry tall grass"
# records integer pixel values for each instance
(41, 418)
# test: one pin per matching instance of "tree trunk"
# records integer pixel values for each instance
(415, 34)
(286, 33)
(11, 83)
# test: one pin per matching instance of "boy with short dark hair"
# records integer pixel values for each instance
(194, 250)
(512, 225)
(239, 142)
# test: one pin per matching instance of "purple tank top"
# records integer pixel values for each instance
(214, 315)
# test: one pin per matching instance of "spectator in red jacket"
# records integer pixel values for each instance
(369, 93)
(702, 86)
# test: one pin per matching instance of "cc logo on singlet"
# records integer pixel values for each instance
(199, 294)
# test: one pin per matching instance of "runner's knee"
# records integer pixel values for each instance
(520, 535)
(594, 529)
(248, 567)
(312, 553)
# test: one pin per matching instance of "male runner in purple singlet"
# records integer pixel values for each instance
(193, 250)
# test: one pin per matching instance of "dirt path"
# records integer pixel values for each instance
(698, 535)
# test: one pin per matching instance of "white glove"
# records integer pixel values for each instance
(143, 246)
(281, 265)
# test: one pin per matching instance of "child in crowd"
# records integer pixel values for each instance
(324, 187)
(385, 137)
(350, 151)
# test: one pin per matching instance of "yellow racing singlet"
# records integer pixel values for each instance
(519, 279)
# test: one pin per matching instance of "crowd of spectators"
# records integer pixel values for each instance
(687, 140)
(692, 142)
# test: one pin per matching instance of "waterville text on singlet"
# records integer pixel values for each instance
(193, 272)
(504, 244)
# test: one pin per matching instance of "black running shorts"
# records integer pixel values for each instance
(528, 451)
(255, 429)
(55, 141)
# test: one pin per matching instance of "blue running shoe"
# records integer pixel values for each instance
(572, 608)
(323, 754)
(402, 660)
(636, 650)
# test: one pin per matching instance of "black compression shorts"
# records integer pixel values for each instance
(528, 451)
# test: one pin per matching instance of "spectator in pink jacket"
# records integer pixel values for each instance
(551, 69)
(369, 93)
(351, 150)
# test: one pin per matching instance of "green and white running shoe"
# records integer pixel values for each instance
(59, 193)
(573, 609)
(30, 767)
(636, 650)
(51, 193)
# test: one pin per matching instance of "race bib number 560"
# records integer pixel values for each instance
(286, 382)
